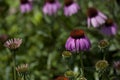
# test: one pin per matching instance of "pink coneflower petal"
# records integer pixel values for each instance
(71, 9)
(102, 15)
(77, 45)
(25, 6)
(51, 8)
(88, 22)
(100, 20)
(94, 22)
(96, 17)
(109, 28)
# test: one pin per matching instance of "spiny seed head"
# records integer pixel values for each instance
(77, 33)
(66, 54)
(101, 64)
(109, 22)
(103, 44)
(92, 12)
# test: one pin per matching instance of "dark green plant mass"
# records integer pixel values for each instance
(43, 55)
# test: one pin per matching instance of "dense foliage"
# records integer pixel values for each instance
(44, 39)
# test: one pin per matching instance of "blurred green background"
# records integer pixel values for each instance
(44, 38)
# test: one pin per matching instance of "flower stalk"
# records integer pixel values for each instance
(82, 66)
(14, 65)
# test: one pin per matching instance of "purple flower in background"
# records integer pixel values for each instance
(109, 28)
(70, 7)
(51, 7)
(95, 17)
(77, 41)
(25, 6)
(117, 65)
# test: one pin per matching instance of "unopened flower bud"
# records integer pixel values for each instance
(103, 44)
(81, 78)
(101, 64)
(66, 54)
(69, 73)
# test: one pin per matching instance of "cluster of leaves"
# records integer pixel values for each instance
(44, 38)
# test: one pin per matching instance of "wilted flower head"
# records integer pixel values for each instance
(103, 44)
(101, 64)
(71, 7)
(81, 78)
(117, 65)
(51, 7)
(77, 41)
(3, 37)
(13, 43)
(66, 54)
(25, 6)
(69, 74)
(22, 68)
(109, 28)
(95, 17)
(61, 78)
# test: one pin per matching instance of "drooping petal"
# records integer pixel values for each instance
(77, 45)
(88, 22)
(94, 22)
(72, 46)
(102, 15)
(100, 20)
(71, 9)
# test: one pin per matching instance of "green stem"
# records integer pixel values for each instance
(103, 53)
(82, 67)
(14, 65)
(24, 77)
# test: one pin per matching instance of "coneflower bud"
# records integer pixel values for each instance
(103, 44)
(66, 54)
(69, 74)
(101, 64)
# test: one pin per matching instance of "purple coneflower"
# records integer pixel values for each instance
(51, 7)
(109, 28)
(71, 7)
(13, 43)
(77, 41)
(25, 6)
(95, 17)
